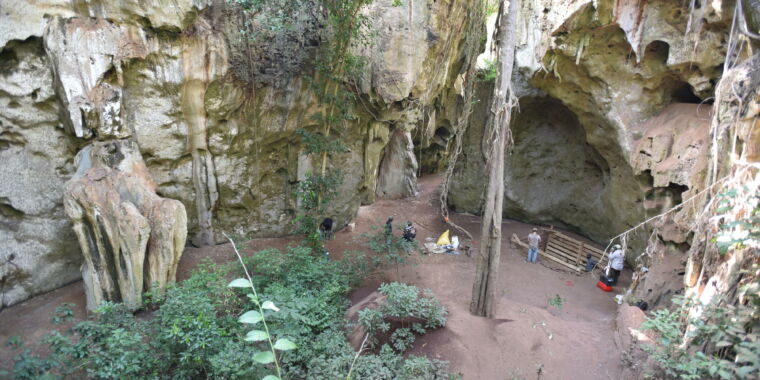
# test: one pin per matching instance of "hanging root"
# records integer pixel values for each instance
(462, 122)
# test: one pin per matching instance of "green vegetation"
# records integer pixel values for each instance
(194, 330)
(333, 82)
(389, 250)
(62, 313)
(719, 340)
(491, 7)
(556, 301)
(721, 343)
(489, 72)
(739, 208)
(403, 303)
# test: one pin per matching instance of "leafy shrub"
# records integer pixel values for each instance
(490, 72)
(403, 303)
(722, 342)
(192, 330)
(389, 250)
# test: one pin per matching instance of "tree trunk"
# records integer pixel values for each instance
(499, 135)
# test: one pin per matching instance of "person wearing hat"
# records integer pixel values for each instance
(616, 263)
(534, 239)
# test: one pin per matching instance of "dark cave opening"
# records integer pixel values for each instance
(684, 94)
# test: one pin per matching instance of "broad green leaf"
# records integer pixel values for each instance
(283, 344)
(240, 283)
(263, 357)
(724, 344)
(269, 305)
(251, 317)
(256, 336)
(271, 377)
(744, 371)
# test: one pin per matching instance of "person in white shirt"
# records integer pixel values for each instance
(617, 258)
(533, 240)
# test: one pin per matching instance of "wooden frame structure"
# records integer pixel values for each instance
(570, 252)
(566, 251)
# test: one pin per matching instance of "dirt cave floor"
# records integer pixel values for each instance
(528, 339)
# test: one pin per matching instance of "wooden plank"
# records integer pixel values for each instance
(570, 245)
(568, 238)
(578, 257)
(520, 243)
(560, 255)
(594, 249)
(596, 253)
(564, 249)
(561, 252)
(558, 261)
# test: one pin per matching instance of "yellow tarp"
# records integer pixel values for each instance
(444, 239)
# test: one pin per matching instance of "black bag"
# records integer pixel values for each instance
(606, 280)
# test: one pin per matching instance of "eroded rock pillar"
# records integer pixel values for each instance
(131, 238)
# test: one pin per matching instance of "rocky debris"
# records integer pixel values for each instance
(130, 237)
(397, 177)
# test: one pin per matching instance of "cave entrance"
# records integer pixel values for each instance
(552, 174)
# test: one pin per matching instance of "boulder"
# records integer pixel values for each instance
(130, 237)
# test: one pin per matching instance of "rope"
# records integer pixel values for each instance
(623, 235)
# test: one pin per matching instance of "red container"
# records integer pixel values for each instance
(604, 286)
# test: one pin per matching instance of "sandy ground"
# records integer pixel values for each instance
(528, 339)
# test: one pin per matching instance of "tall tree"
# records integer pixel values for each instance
(498, 136)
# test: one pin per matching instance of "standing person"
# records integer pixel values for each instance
(616, 263)
(409, 232)
(534, 239)
(389, 230)
(325, 228)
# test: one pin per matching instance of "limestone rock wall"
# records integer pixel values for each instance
(589, 76)
(215, 133)
(39, 250)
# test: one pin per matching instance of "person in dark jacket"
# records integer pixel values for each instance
(325, 228)
(389, 230)
(409, 232)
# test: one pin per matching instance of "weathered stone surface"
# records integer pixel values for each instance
(397, 177)
(612, 65)
(220, 136)
(39, 251)
(83, 52)
(131, 238)
(23, 19)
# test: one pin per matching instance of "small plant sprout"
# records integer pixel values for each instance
(254, 317)
(63, 313)
(556, 301)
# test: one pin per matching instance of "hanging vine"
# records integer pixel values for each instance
(474, 31)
